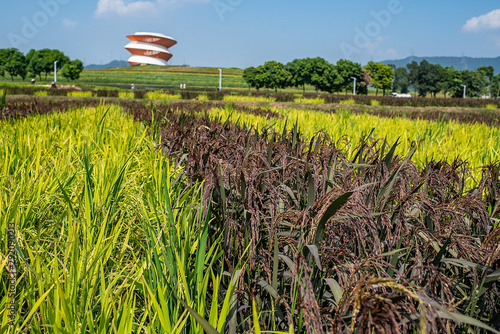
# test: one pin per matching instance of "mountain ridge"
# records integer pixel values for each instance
(112, 64)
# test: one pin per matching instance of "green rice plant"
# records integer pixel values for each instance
(107, 232)
(375, 103)
(41, 93)
(348, 101)
(310, 100)
(202, 97)
(79, 94)
(159, 95)
(492, 106)
(126, 95)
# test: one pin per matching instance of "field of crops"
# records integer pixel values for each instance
(188, 218)
(169, 79)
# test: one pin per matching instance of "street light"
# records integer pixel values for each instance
(465, 89)
(220, 79)
(354, 88)
(55, 71)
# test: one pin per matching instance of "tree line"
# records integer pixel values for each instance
(423, 78)
(37, 63)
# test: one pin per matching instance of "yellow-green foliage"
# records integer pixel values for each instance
(41, 93)
(348, 101)
(80, 94)
(491, 106)
(126, 95)
(202, 97)
(375, 103)
(306, 100)
(476, 143)
(159, 95)
(237, 98)
(93, 204)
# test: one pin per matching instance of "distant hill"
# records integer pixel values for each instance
(460, 63)
(114, 63)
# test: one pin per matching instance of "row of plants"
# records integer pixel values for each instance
(442, 140)
(260, 96)
(105, 235)
(289, 233)
(365, 242)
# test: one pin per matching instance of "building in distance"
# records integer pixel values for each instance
(149, 48)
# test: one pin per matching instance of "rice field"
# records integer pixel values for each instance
(144, 218)
(161, 78)
(478, 144)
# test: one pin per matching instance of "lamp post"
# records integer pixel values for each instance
(220, 79)
(55, 71)
(354, 87)
(465, 89)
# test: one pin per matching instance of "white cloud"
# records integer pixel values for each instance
(67, 23)
(372, 46)
(135, 8)
(484, 22)
(119, 7)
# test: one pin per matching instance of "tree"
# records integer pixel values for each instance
(495, 87)
(36, 63)
(348, 70)
(301, 72)
(488, 73)
(3, 58)
(72, 70)
(366, 80)
(450, 81)
(49, 57)
(475, 82)
(249, 76)
(322, 74)
(400, 82)
(277, 75)
(424, 77)
(382, 75)
(271, 75)
(13, 62)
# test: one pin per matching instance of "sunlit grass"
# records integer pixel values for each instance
(244, 98)
(126, 95)
(307, 100)
(476, 143)
(80, 94)
(106, 229)
(159, 95)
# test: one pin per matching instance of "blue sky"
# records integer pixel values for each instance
(242, 33)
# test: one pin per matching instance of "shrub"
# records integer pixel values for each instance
(139, 94)
(217, 96)
(187, 95)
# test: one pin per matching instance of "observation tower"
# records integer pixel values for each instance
(149, 48)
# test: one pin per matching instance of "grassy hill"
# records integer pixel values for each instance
(166, 76)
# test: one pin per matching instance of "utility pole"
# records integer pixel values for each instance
(220, 80)
(465, 89)
(55, 71)
(354, 87)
